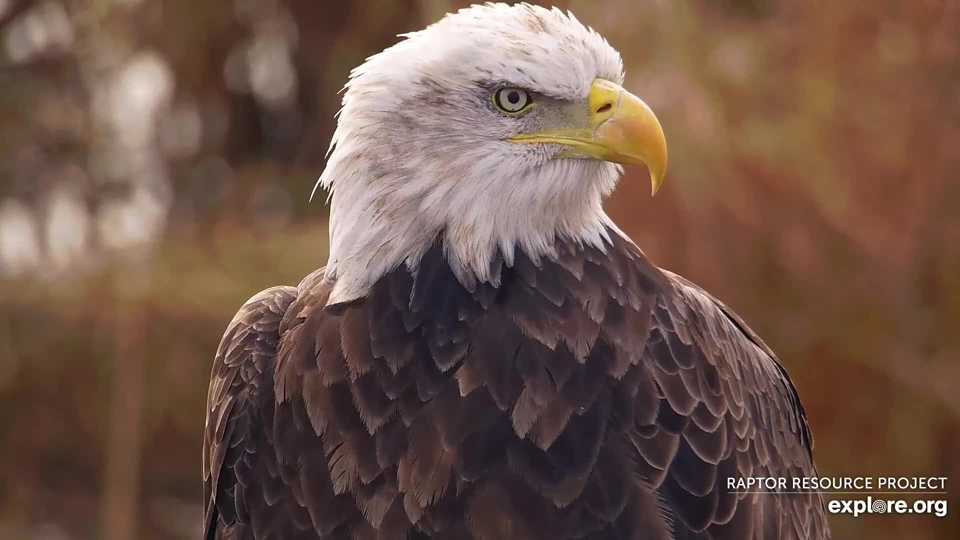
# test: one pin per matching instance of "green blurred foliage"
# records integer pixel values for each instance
(158, 157)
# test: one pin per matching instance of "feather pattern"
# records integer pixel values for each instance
(589, 395)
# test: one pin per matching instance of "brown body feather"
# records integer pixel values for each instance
(592, 396)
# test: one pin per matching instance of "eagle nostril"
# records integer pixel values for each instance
(605, 107)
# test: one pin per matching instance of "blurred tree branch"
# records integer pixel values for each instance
(121, 500)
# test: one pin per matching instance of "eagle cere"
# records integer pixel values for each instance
(486, 356)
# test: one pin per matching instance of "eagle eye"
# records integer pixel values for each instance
(512, 101)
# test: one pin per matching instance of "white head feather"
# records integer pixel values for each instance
(418, 149)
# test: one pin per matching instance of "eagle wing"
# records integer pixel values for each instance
(239, 399)
(726, 411)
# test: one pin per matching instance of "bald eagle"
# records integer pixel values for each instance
(486, 356)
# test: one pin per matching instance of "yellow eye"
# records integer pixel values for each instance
(512, 100)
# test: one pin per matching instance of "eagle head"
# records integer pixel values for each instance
(495, 129)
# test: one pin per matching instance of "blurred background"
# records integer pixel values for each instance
(156, 159)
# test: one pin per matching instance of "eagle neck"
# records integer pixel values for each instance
(382, 218)
(377, 249)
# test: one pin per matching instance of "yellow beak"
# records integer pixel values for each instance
(622, 129)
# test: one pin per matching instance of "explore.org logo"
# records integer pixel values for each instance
(918, 492)
(858, 507)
